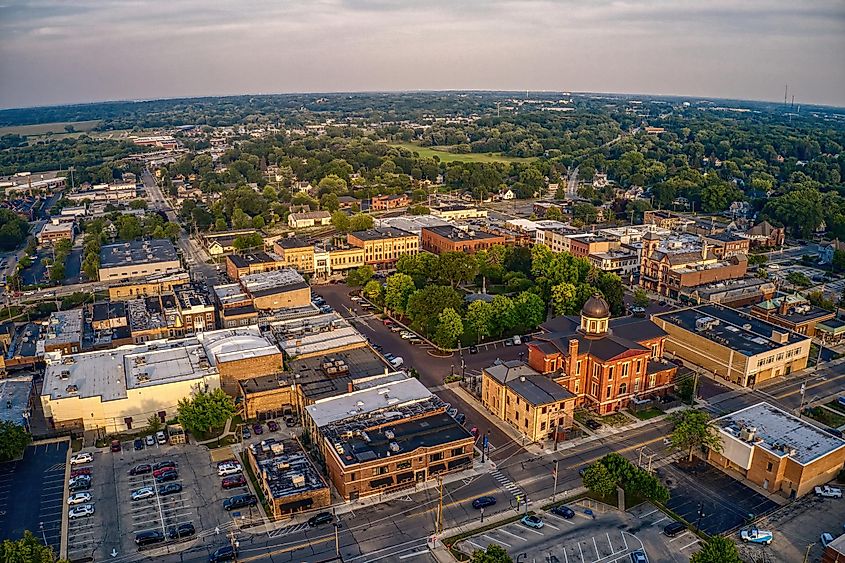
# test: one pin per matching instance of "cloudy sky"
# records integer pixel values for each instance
(61, 51)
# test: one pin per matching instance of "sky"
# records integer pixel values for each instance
(70, 51)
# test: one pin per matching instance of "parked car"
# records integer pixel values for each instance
(224, 553)
(755, 535)
(321, 518)
(143, 493)
(169, 489)
(161, 437)
(453, 412)
(79, 498)
(563, 512)
(239, 501)
(482, 502)
(141, 469)
(272, 426)
(150, 440)
(828, 492)
(508, 342)
(592, 424)
(674, 529)
(397, 361)
(245, 433)
(638, 557)
(517, 341)
(80, 471)
(387, 322)
(79, 484)
(138, 444)
(80, 511)
(79, 479)
(257, 428)
(825, 538)
(532, 521)
(165, 463)
(461, 418)
(234, 481)
(168, 475)
(473, 349)
(228, 470)
(81, 457)
(115, 446)
(183, 530)
(388, 356)
(158, 472)
(148, 537)
(290, 421)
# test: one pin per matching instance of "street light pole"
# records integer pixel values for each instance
(554, 490)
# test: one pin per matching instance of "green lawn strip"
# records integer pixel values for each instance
(255, 486)
(459, 555)
(648, 413)
(836, 405)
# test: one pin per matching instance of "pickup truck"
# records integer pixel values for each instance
(828, 492)
(754, 535)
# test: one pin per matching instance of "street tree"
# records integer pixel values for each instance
(360, 276)
(248, 242)
(154, 423)
(479, 319)
(493, 554)
(398, 291)
(360, 222)
(717, 549)
(529, 311)
(450, 327)
(340, 221)
(455, 268)
(13, 440)
(27, 549)
(693, 430)
(205, 412)
(374, 292)
(424, 306)
(599, 480)
(504, 314)
(641, 298)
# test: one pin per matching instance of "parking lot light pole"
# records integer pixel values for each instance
(482, 515)
(43, 534)
(336, 524)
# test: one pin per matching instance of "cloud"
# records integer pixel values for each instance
(59, 51)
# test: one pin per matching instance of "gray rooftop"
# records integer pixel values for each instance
(14, 398)
(287, 470)
(137, 252)
(274, 281)
(314, 377)
(64, 327)
(781, 433)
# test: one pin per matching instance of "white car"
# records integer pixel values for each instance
(407, 335)
(355, 298)
(142, 493)
(161, 438)
(396, 362)
(81, 457)
(79, 498)
(80, 511)
(754, 535)
(150, 440)
(228, 470)
(828, 492)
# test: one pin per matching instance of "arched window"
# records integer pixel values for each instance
(623, 388)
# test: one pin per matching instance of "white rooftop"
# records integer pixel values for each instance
(781, 433)
(412, 223)
(271, 280)
(377, 396)
(230, 293)
(310, 343)
(231, 344)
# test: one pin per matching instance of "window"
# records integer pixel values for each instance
(610, 373)
(436, 457)
(578, 367)
(457, 451)
(639, 366)
(596, 370)
(609, 391)
(623, 388)
(769, 466)
(625, 367)
(595, 390)
(353, 476)
(651, 379)
(404, 464)
(128, 422)
(517, 416)
(655, 350)
(636, 385)
(380, 470)
(517, 400)
(545, 409)
(542, 426)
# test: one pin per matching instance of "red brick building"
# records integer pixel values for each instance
(605, 363)
(387, 202)
(452, 239)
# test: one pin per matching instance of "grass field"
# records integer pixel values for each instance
(445, 156)
(44, 128)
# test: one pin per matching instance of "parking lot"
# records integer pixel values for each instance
(610, 536)
(196, 499)
(32, 494)
(795, 527)
(725, 503)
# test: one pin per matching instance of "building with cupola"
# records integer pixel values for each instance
(604, 363)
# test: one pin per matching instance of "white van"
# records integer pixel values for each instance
(397, 362)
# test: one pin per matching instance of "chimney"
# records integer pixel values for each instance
(780, 337)
(349, 387)
(703, 249)
(573, 357)
(783, 306)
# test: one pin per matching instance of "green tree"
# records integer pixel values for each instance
(479, 319)
(564, 299)
(641, 298)
(138, 204)
(253, 241)
(205, 412)
(424, 306)
(455, 268)
(360, 276)
(529, 310)
(449, 328)
(360, 222)
(838, 262)
(340, 221)
(493, 554)
(598, 480)
(13, 440)
(154, 423)
(240, 219)
(27, 549)
(717, 549)
(374, 292)
(693, 430)
(329, 202)
(398, 291)
(331, 184)
(799, 279)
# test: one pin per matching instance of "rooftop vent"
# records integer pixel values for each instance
(65, 374)
(394, 447)
(298, 480)
(72, 390)
(747, 433)
(389, 434)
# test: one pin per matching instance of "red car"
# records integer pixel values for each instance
(115, 445)
(387, 322)
(81, 471)
(273, 426)
(159, 472)
(234, 481)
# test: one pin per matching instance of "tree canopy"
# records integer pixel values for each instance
(205, 411)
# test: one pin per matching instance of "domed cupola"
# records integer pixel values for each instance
(595, 315)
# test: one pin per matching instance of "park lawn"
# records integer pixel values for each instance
(445, 156)
(835, 404)
(647, 413)
(44, 128)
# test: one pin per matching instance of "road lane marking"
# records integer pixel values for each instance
(414, 554)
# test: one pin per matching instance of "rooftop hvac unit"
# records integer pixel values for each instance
(747, 433)
(65, 374)
(389, 434)
(298, 480)
(394, 447)
(338, 447)
(143, 377)
(747, 326)
(365, 436)
(278, 448)
(346, 434)
(72, 389)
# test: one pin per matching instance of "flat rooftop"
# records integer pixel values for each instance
(383, 233)
(275, 281)
(412, 223)
(341, 337)
(64, 327)
(743, 333)
(137, 252)
(316, 381)
(232, 344)
(14, 398)
(230, 293)
(456, 233)
(286, 469)
(781, 433)
(246, 259)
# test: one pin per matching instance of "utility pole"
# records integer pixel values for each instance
(554, 490)
(234, 543)
(440, 506)
(336, 525)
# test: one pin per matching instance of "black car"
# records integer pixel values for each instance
(239, 501)
(461, 418)
(184, 530)
(165, 463)
(563, 512)
(82, 485)
(169, 475)
(674, 529)
(138, 444)
(225, 553)
(321, 518)
(592, 424)
(142, 469)
(473, 349)
(148, 537)
(169, 489)
(482, 502)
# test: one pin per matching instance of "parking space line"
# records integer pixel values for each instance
(481, 547)
(514, 535)
(559, 519)
(596, 546)
(609, 543)
(648, 513)
(553, 527)
(581, 552)
(624, 541)
(565, 556)
(496, 541)
(656, 522)
(679, 537)
(690, 544)
(539, 533)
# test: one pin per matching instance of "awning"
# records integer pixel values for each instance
(383, 482)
